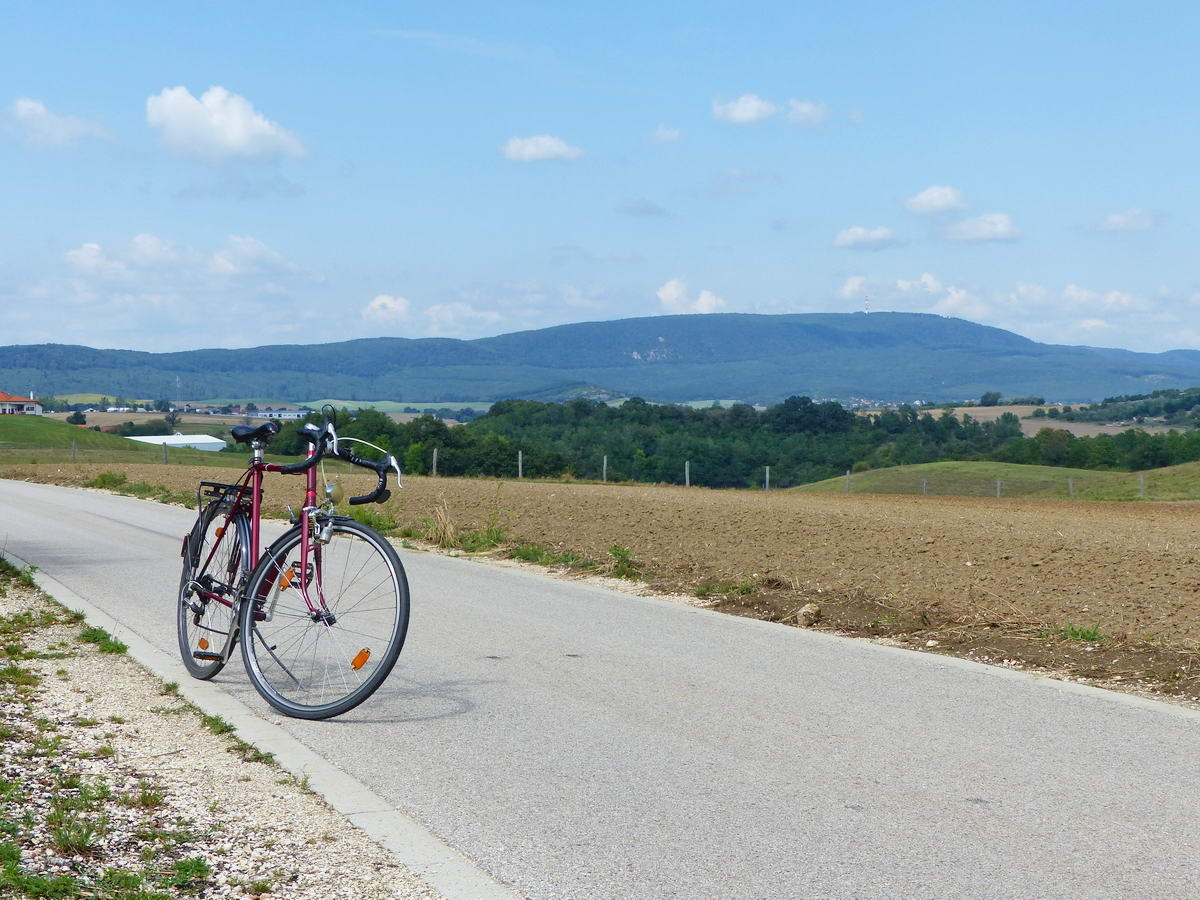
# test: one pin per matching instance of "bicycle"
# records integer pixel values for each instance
(322, 614)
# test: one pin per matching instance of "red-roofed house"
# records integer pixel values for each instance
(20, 406)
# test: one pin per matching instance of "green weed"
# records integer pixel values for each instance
(104, 641)
(489, 537)
(18, 676)
(376, 517)
(624, 565)
(188, 873)
(544, 556)
(216, 724)
(108, 480)
(249, 753)
(1072, 632)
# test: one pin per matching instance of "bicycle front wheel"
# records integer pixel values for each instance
(214, 567)
(319, 635)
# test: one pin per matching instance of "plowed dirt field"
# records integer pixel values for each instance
(1014, 580)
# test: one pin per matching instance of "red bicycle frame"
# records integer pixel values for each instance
(252, 482)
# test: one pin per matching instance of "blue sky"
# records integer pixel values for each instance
(180, 176)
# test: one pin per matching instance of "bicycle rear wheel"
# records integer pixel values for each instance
(318, 658)
(215, 564)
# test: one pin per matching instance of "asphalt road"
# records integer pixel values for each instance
(577, 742)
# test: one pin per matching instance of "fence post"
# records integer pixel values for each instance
(520, 463)
(164, 446)
(687, 473)
(997, 487)
(435, 449)
(1142, 485)
(604, 470)
(924, 485)
(767, 480)
(74, 444)
(847, 481)
(1071, 488)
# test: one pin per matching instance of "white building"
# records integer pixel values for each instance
(18, 406)
(279, 414)
(195, 441)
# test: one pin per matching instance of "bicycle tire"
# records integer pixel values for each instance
(202, 624)
(310, 667)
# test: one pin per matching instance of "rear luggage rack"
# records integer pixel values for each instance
(217, 491)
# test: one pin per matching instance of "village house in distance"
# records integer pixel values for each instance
(18, 406)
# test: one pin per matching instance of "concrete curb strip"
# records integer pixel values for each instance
(413, 845)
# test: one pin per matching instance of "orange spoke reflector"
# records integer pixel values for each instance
(286, 581)
(220, 530)
(203, 643)
(360, 659)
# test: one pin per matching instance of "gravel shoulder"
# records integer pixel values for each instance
(112, 786)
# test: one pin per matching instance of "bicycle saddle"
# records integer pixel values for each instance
(244, 434)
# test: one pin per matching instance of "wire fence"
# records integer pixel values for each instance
(1152, 485)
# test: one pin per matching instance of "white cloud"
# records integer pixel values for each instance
(1075, 295)
(42, 128)
(1060, 314)
(148, 258)
(988, 227)
(927, 283)
(539, 147)
(1029, 293)
(674, 298)
(744, 110)
(149, 293)
(854, 288)
(927, 293)
(386, 308)
(243, 255)
(90, 259)
(958, 301)
(1129, 220)
(937, 198)
(219, 127)
(449, 318)
(860, 238)
(665, 134)
(807, 112)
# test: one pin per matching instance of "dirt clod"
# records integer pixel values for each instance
(809, 614)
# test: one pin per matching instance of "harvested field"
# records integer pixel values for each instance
(1030, 426)
(996, 579)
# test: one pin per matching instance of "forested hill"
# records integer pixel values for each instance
(884, 356)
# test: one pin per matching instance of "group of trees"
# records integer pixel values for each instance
(799, 439)
(1174, 407)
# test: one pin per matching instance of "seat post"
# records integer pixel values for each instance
(257, 447)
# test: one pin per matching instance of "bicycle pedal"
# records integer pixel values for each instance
(211, 657)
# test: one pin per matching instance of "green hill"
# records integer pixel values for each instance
(34, 439)
(978, 479)
(882, 356)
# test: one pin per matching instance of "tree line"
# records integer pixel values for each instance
(801, 440)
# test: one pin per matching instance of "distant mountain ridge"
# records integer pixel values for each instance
(884, 356)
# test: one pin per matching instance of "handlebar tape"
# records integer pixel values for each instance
(381, 493)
